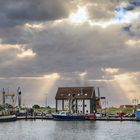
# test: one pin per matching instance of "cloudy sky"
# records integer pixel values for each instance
(46, 44)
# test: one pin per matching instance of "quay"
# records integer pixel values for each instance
(34, 118)
(51, 118)
(116, 119)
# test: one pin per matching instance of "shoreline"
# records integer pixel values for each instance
(97, 119)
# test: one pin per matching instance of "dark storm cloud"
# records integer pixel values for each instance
(16, 12)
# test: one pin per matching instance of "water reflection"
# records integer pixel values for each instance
(63, 130)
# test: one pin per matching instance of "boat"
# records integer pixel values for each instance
(71, 113)
(21, 112)
(7, 110)
(90, 116)
(66, 116)
(7, 114)
(8, 118)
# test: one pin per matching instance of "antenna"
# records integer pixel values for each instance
(19, 97)
(3, 94)
(98, 91)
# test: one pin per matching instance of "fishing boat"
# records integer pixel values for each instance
(66, 116)
(8, 118)
(7, 109)
(6, 115)
(90, 116)
(71, 113)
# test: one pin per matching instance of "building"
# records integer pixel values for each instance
(77, 99)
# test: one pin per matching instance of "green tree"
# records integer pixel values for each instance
(36, 106)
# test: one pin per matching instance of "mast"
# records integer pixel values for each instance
(98, 92)
(19, 97)
(3, 96)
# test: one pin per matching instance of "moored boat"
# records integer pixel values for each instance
(8, 118)
(90, 116)
(66, 116)
(7, 110)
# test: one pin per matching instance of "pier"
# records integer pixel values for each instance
(51, 118)
(34, 118)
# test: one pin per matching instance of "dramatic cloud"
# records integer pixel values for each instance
(18, 12)
(45, 44)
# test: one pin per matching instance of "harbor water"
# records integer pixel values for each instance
(64, 130)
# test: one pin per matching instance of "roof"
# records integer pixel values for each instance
(78, 92)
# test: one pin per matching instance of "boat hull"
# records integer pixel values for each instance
(68, 118)
(90, 117)
(8, 118)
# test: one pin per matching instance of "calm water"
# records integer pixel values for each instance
(55, 130)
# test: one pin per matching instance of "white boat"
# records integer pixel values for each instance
(8, 118)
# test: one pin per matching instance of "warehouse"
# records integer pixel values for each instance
(77, 99)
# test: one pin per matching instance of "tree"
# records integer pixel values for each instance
(36, 106)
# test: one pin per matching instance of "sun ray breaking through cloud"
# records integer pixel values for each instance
(78, 42)
(79, 17)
